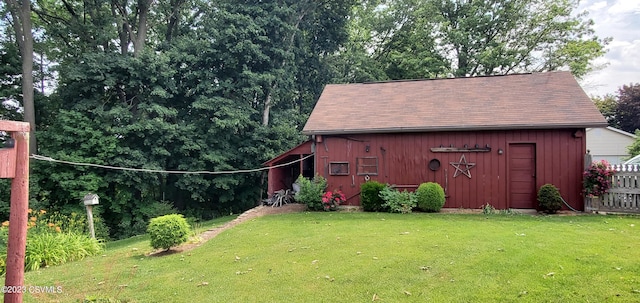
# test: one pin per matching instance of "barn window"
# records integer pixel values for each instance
(367, 166)
(339, 168)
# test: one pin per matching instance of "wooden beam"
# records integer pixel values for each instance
(14, 126)
(18, 216)
(460, 150)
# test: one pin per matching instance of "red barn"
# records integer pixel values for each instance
(493, 139)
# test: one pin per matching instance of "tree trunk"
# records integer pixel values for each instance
(267, 109)
(21, 14)
(267, 103)
(127, 29)
(139, 39)
(27, 89)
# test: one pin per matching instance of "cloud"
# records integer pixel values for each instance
(619, 20)
(597, 6)
(624, 7)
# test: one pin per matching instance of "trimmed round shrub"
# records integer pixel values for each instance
(430, 197)
(370, 196)
(549, 198)
(168, 231)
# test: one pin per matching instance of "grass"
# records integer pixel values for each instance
(362, 257)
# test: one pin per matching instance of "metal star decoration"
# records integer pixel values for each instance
(462, 167)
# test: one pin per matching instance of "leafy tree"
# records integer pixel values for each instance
(500, 37)
(634, 148)
(175, 85)
(607, 105)
(468, 38)
(628, 109)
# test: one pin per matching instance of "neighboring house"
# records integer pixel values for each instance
(609, 144)
(487, 140)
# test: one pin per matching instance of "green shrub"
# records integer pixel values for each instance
(47, 249)
(370, 196)
(549, 198)
(168, 231)
(430, 197)
(52, 239)
(398, 201)
(311, 192)
(488, 209)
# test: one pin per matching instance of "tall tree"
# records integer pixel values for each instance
(214, 86)
(176, 85)
(628, 109)
(293, 35)
(505, 36)
(21, 21)
(469, 38)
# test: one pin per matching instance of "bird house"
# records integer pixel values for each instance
(91, 199)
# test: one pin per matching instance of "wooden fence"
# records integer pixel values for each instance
(624, 194)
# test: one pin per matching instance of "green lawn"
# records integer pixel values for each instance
(364, 257)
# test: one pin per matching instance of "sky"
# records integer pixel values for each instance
(619, 20)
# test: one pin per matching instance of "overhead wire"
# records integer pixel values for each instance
(202, 172)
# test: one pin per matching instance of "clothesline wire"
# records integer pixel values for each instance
(202, 172)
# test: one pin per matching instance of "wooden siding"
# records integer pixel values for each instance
(403, 160)
(282, 177)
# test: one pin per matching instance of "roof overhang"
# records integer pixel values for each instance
(303, 148)
(454, 128)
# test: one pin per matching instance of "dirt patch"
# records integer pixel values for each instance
(247, 215)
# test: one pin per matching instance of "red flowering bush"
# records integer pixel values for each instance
(331, 200)
(597, 178)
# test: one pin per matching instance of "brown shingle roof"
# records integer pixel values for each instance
(523, 101)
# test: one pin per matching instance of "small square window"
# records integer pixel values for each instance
(367, 166)
(339, 168)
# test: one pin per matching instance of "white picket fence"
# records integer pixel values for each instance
(624, 194)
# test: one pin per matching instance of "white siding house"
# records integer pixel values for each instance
(609, 144)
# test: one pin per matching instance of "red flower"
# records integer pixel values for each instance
(331, 200)
(597, 178)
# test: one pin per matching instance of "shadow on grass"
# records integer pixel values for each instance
(118, 244)
(162, 253)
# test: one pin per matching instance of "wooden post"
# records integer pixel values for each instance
(90, 219)
(89, 201)
(18, 212)
(301, 167)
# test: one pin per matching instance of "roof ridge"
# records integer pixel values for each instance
(450, 78)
